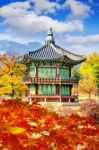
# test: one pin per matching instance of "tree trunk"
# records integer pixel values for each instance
(89, 95)
(98, 92)
(12, 94)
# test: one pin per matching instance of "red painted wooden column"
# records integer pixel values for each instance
(57, 89)
(57, 77)
(36, 85)
(36, 70)
(69, 72)
(57, 72)
(70, 89)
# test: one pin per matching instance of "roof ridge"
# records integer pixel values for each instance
(38, 48)
(56, 50)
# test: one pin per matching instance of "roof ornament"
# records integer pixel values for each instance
(50, 39)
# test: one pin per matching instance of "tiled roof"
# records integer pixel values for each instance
(45, 52)
(51, 51)
(70, 55)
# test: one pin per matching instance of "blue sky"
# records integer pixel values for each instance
(75, 23)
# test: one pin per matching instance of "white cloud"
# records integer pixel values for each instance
(10, 37)
(45, 6)
(78, 9)
(24, 25)
(2, 52)
(14, 9)
(23, 22)
(80, 44)
(83, 49)
(90, 39)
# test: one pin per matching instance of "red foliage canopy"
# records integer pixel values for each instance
(27, 127)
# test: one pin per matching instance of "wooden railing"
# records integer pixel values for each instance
(53, 96)
(49, 80)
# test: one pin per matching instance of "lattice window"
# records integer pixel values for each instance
(47, 89)
(64, 73)
(64, 90)
(46, 72)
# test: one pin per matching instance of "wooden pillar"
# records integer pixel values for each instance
(28, 69)
(30, 100)
(70, 88)
(60, 99)
(69, 100)
(69, 72)
(57, 89)
(36, 88)
(45, 99)
(36, 71)
(57, 72)
(28, 92)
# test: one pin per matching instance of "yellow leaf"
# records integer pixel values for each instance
(16, 130)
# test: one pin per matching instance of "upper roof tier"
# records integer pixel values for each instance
(50, 51)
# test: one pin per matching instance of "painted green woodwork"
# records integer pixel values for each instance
(64, 73)
(46, 72)
(47, 89)
(32, 89)
(45, 63)
(64, 90)
(32, 70)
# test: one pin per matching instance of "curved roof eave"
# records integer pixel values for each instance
(71, 56)
(54, 52)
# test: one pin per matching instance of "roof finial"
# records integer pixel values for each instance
(50, 38)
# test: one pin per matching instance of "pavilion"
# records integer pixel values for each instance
(48, 73)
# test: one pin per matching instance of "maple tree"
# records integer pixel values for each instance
(11, 76)
(27, 127)
(90, 108)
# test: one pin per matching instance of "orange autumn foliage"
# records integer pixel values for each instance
(27, 127)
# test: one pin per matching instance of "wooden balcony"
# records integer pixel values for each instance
(57, 80)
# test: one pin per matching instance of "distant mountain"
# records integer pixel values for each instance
(10, 46)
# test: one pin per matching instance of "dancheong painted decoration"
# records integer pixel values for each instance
(48, 72)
